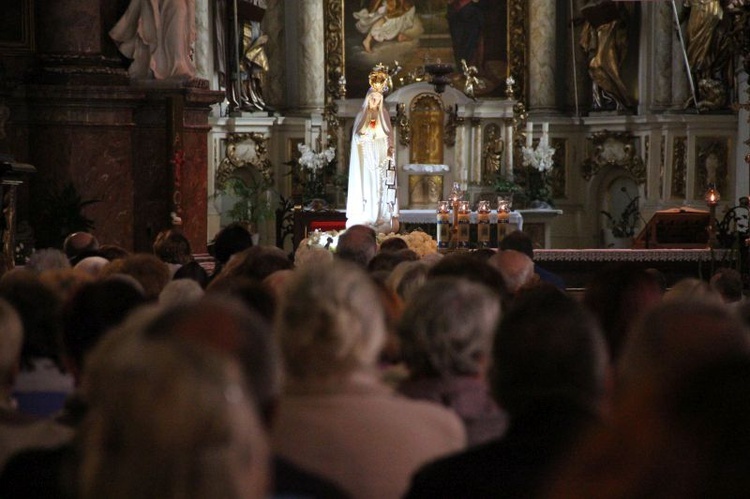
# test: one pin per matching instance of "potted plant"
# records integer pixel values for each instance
(621, 227)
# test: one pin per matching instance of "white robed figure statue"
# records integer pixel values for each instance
(371, 198)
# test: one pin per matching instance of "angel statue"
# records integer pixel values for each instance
(472, 80)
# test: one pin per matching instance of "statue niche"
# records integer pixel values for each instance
(427, 118)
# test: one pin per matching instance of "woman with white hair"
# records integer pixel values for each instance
(446, 335)
(336, 418)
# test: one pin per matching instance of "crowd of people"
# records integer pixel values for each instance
(367, 372)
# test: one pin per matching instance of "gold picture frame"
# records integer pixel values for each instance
(338, 29)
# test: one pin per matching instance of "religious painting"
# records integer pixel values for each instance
(16, 26)
(487, 34)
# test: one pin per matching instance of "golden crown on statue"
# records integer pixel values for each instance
(380, 77)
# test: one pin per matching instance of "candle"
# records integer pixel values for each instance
(529, 130)
(545, 133)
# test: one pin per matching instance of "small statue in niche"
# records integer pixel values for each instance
(240, 42)
(708, 52)
(493, 154)
(604, 39)
(254, 67)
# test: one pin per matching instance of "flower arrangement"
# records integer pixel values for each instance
(418, 241)
(315, 166)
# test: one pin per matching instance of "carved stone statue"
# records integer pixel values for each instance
(604, 39)
(240, 42)
(493, 153)
(707, 51)
(158, 35)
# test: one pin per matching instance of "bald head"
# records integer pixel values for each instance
(78, 243)
(516, 268)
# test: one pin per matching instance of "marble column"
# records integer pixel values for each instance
(310, 55)
(275, 28)
(542, 55)
(663, 34)
(204, 35)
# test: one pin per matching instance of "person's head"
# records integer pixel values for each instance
(447, 329)
(91, 265)
(674, 338)
(516, 268)
(547, 346)
(78, 243)
(257, 263)
(94, 309)
(387, 261)
(181, 291)
(47, 259)
(255, 295)
(407, 277)
(473, 269)
(169, 418)
(518, 241)
(171, 246)
(689, 438)
(617, 296)
(358, 244)
(393, 244)
(692, 289)
(728, 282)
(330, 323)
(226, 325)
(230, 240)
(65, 282)
(192, 271)
(11, 341)
(311, 255)
(112, 252)
(39, 308)
(147, 269)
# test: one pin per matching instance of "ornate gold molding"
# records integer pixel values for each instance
(614, 149)
(233, 160)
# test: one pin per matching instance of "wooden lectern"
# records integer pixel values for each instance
(675, 228)
(12, 174)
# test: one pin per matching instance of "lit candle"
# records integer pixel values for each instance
(529, 131)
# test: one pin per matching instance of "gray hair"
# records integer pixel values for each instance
(676, 337)
(447, 328)
(47, 259)
(330, 322)
(407, 277)
(516, 268)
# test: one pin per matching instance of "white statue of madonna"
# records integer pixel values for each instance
(158, 35)
(371, 198)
